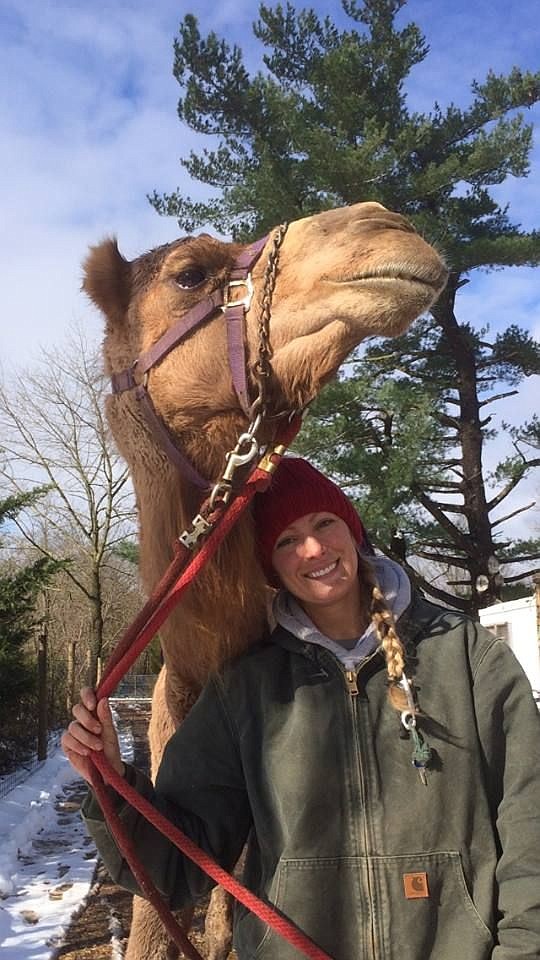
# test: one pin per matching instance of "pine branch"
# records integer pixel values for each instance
(524, 559)
(498, 396)
(443, 485)
(521, 576)
(441, 557)
(513, 514)
(460, 539)
(512, 484)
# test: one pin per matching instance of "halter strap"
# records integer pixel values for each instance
(235, 311)
(162, 436)
(159, 350)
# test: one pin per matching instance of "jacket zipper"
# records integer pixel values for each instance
(351, 677)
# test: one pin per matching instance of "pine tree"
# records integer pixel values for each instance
(324, 123)
(20, 586)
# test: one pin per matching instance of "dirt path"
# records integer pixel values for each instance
(89, 936)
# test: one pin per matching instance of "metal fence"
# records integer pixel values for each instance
(26, 768)
(137, 687)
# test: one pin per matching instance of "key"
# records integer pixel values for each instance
(421, 767)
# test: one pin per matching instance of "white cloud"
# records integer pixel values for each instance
(466, 41)
(91, 128)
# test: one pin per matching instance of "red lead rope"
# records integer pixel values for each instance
(267, 914)
(167, 594)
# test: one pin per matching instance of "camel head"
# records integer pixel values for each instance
(343, 275)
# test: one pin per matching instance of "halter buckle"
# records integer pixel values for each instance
(200, 526)
(244, 301)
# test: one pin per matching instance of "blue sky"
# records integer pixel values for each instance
(88, 127)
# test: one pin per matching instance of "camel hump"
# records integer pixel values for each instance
(107, 279)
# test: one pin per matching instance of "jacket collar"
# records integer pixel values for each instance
(416, 622)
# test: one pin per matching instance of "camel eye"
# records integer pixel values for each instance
(191, 277)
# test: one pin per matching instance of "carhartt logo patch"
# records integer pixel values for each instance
(415, 885)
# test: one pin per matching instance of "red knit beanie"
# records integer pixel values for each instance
(296, 489)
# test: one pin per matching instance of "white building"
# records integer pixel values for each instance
(516, 621)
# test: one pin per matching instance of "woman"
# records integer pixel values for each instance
(379, 754)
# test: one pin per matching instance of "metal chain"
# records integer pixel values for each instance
(247, 447)
(262, 368)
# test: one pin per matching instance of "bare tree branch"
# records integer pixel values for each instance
(498, 396)
(512, 484)
(513, 514)
(54, 431)
(525, 559)
(521, 576)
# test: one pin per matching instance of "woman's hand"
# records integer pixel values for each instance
(86, 733)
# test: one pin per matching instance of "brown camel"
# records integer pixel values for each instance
(343, 275)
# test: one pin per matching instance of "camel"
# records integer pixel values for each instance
(343, 275)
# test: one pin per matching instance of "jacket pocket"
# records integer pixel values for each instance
(361, 907)
(425, 909)
(319, 896)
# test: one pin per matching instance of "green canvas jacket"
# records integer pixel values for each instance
(308, 764)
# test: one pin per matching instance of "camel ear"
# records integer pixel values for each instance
(107, 280)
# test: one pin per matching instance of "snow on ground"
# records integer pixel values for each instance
(47, 862)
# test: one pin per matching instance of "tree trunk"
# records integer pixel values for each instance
(95, 640)
(70, 679)
(485, 582)
(42, 698)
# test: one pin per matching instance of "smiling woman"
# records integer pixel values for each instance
(305, 746)
(316, 560)
(315, 556)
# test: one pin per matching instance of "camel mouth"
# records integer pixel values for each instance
(433, 283)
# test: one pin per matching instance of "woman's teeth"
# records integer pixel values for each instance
(323, 572)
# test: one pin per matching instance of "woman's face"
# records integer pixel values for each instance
(316, 559)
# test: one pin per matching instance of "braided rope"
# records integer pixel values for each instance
(284, 927)
(166, 595)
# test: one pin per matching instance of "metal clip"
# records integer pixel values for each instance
(221, 491)
(190, 538)
(223, 488)
(408, 720)
(236, 459)
(245, 301)
(408, 717)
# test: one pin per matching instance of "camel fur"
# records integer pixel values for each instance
(343, 275)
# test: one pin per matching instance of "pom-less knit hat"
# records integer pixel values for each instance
(297, 489)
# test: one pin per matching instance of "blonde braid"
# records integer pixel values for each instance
(385, 627)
